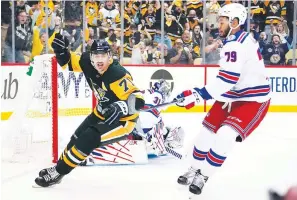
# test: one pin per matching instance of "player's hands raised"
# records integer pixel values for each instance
(60, 44)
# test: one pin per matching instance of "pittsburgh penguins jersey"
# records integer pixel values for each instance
(242, 74)
(111, 17)
(92, 13)
(115, 84)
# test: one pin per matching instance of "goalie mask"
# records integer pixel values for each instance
(164, 88)
(100, 55)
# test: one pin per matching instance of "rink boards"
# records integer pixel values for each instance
(75, 97)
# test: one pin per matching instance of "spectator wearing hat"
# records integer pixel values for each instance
(274, 53)
(180, 54)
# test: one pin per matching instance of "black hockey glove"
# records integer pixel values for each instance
(115, 111)
(60, 46)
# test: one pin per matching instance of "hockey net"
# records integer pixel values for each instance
(51, 104)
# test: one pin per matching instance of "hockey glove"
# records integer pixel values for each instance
(114, 112)
(60, 46)
(190, 97)
(187, 99)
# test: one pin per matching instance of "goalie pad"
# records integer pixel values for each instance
(122, 152)
(155, 141)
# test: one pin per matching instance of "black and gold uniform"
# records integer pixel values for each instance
(114, 117)
(274, 11)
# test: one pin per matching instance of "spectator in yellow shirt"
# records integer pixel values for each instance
(40, 40)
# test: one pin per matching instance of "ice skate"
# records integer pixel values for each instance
(49, 177)
(46, 171)
(198, 183)
(188, 176)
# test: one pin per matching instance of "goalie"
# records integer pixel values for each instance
(150, 125)
(115, 115)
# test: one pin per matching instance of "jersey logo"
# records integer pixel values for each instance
(99, 93)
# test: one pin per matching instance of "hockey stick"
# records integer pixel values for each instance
(174, 153)
(163, 104)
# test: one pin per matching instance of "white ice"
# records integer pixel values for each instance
(266, 160)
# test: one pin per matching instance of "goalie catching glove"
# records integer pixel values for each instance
(189, 98)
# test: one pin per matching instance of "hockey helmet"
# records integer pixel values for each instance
(100, 46)
(163, 87)
(232, 11)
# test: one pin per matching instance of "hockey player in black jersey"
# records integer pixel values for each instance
(115, 115)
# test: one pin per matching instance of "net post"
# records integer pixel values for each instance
(54, 110)
(94, 101)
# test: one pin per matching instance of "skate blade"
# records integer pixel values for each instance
(37, 186)
(193, 196)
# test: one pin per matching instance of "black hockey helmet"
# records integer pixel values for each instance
(100, 46)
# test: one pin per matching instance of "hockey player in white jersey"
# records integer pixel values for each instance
(150, 125)
(241, 93)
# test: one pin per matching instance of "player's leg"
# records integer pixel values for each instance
(204, 140)
(242, 121)
(94, 136)
(89, 121)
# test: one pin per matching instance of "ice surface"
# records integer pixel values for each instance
(267, 159)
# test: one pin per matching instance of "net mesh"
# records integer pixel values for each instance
(28, 130)
(29, 133)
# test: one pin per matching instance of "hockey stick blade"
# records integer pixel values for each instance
(162, 104)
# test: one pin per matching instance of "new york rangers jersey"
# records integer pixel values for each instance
(242, 74)
(151, 117)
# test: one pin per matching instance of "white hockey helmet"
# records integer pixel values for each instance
(232, 11)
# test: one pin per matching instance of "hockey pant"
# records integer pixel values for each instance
(92, 133)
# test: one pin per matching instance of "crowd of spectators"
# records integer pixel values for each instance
(37, 22)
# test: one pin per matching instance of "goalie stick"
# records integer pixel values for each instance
(162, 104)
